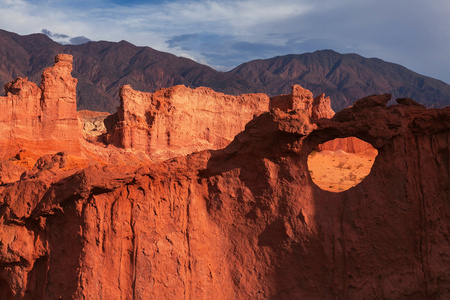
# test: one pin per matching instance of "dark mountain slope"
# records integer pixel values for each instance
(344, 77)
(102, 67)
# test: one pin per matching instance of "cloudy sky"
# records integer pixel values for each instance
(225, 33)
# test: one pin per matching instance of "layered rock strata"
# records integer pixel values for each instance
(179, 120)
(42, 118)
(244, 222)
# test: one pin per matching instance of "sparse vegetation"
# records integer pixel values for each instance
(340, 165)
(339, 171)
(352, 176)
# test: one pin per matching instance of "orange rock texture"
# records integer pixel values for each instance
(42, 118)
(179, 120)
(242, 222)
(322, 109)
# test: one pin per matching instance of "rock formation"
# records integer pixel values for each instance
(242, 222)
(245, 222)
(168, 123)
(319, 107)
(42, 118)
(322, 109)
(179, 120)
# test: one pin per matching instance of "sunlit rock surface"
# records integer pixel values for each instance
(242, 222)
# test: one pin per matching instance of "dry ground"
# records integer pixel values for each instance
(337, 171)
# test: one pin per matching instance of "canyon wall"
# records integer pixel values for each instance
(244, 222)
(178, 120)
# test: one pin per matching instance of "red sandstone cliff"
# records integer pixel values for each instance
(41, 118)
(243, 222)
(179, 120)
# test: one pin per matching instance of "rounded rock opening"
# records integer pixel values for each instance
(341, 164)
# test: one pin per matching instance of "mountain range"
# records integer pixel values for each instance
(102, 67)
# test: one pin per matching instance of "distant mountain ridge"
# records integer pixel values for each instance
(102, 67)
(344, 77)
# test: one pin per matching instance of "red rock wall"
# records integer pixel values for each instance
(245, 222)
(319, 107)
(300, 99)
(350, 145)
(44, 118)
(179, 120)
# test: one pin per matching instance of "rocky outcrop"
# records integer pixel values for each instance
(179, 120)
(299, 99)
(168, 123)
(42, 118)
(321, 108)
(317, 108)
(244, 222)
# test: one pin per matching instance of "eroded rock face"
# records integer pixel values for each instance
(44, 118)
(179, 120)
(321, 108)
(300, 98)
(244, 222)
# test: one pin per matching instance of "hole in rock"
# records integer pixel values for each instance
(340, 164)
